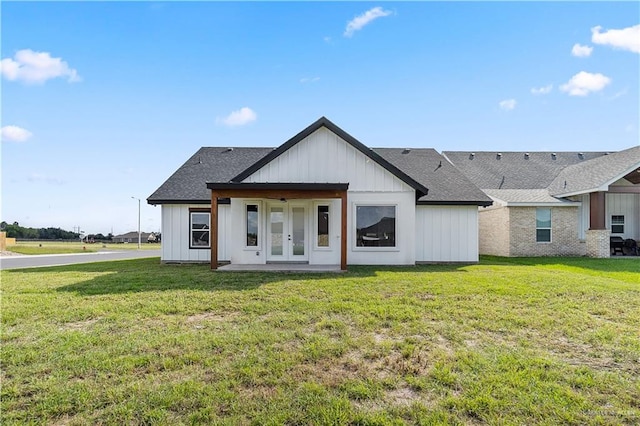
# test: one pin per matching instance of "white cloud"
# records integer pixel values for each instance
(508, 104)
(309, 79)
(240, 117)
(360, 21)
(15, 134)
(625, 39)
(36, 67)
(581, 51)
(584, 83)
(545, 90)
(38, 177)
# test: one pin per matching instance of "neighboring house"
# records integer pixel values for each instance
(555, 203)
(131, 237)
(322, 197)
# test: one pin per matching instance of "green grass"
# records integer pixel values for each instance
(56, 247)
(507, 341)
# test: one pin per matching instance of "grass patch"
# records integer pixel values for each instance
(507, 341)
(57, 247)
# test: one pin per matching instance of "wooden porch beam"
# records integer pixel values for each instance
(343, 232)
(213, 240)
(597, 210)
(278, 194)
(625, 189)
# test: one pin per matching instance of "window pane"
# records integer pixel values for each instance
(199, 220)
(617, 219)
(200, 229)
(252, 225)
(277, 236)
(297, 230)
(543, 235)
(323, 226)
(376, 226)
(617, 229)
(543, 218)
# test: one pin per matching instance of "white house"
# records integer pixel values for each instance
(321, 198)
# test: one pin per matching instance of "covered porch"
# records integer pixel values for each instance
(285, 204)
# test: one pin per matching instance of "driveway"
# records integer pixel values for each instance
(41, 260)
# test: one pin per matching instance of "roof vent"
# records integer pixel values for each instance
(526, 155)
(553, 155)
(498, 156)
(581, 155)
(472, 155)
(406, 151)
(229, 149)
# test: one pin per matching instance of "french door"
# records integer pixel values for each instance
(287, 232)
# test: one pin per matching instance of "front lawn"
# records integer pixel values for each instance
(507, 341)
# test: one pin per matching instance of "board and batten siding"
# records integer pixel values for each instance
(627, 205)
(325, 157)
(446, 234)
(175, 234)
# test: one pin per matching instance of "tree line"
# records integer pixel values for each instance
(16, 231)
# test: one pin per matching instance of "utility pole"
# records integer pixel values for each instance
(139, 235)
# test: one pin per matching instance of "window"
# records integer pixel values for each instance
(617, 224)
(376, 226)
(323, 226)
(252, 225)
(199, 223)
(543, 225)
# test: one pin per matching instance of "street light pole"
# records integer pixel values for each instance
(139, 235)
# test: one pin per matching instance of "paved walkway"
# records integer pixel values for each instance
(42, 260)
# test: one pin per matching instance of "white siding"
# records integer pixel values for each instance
(583, 215)
(446, 233)
(324, 157)
(175, 235)
(627, 205)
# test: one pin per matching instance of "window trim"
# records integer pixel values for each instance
(354, 238)
(316, 205)
(200, 210)
(550, 228)
(245, 218)
(617, 224)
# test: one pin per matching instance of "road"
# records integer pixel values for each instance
(36, 261)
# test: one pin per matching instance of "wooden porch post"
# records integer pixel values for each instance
(343, 238)
(597, 210)
(214, 230)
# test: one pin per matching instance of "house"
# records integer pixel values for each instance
(322, 198)
(555, 203)
(131, 237)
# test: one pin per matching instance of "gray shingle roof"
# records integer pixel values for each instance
(446, 184)
(525, 196)
(515, 170)
(218, 164)
(208, 164)
(594, 174)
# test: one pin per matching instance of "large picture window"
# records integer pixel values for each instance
(199, 224)
(375, 226)
(252, 225)
(617, 224)
(543, 225)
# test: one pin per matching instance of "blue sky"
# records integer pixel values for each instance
(104, 101)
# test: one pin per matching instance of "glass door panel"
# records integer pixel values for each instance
(277, 237)
(297, 231)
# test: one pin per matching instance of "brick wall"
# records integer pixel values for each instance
(494, 231)
(564, 233)
(598, 243)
